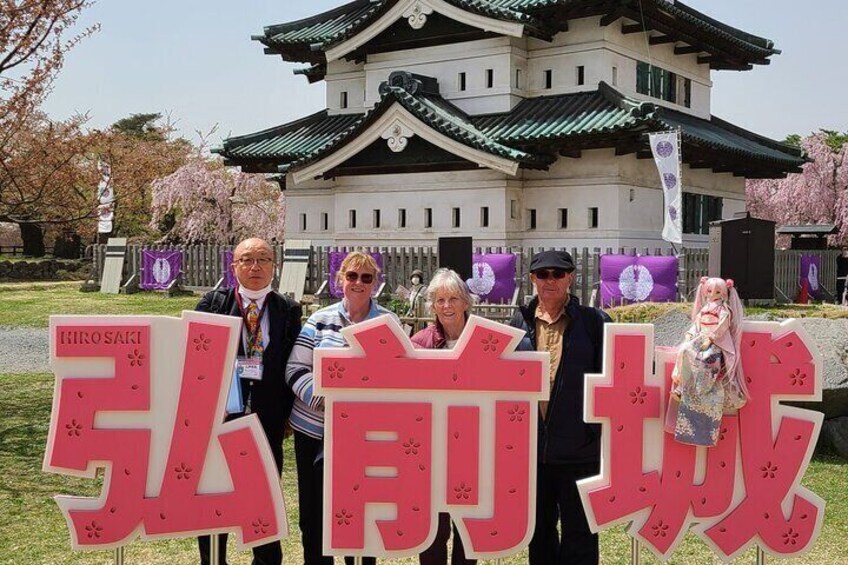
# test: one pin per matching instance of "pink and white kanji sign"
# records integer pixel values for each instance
(745, 490)
(411, 433)
(143, 398)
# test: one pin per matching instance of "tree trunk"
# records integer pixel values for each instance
(33, 238)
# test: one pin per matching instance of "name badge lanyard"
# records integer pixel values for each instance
(252, 335)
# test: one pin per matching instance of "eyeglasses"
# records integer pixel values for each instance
(546, 273)
(250, 261)
(364, 278)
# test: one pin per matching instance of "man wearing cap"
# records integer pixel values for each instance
(569, 449)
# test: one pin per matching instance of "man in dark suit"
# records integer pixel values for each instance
(271, 324)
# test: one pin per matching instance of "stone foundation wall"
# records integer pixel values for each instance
(46, 270)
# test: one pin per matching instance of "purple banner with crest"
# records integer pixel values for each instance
(626, 279)
(810, 273)
(227, 269)
(493, 277)
(336, 258)
(159, 268)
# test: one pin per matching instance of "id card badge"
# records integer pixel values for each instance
(249, 368)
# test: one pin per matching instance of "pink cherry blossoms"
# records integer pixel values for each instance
(204, 201)
(817, 195)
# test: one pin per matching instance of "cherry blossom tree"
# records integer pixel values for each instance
(35, 36)
(204, 201)
(817, 195)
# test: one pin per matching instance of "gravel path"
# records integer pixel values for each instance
(23, 350)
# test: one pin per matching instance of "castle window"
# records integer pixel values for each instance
(490, 78)
(581, 75)
(549, 79)
(513, 209)
(456, 217)
(484, 217)
(343, 100)
(531, 218)
(428, 217)
(615, 76)
(325, 221)
(351, 219)
(303, 222)
(699, 210)
(377, 219)
(517, 78)
(656, 82)
(563, 218)
(401, 217)
(593, 217)
(460, 82)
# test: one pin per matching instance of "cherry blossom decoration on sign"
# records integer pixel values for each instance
(143, 398)
(411, 433)
(745, 490)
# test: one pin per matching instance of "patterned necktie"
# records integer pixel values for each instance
(254, 329)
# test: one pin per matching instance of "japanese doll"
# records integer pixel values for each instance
(707, 380)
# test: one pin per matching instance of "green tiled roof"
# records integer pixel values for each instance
(438, 114)
(721, 136)
(289, 142)
(306, 39)
(549, 118)
(531, 134)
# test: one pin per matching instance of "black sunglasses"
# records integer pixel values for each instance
(353, 276)
(555, 273)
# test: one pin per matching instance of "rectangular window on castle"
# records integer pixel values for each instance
(303, 222)
(490, 78)
(513, 209)
(549, 79)
(456, 218)
(460, 82)
(581, 75)
(615, 76)
(687, 92)
(351, 219)
(428, 217)
(517, 78)
(531, 218)
(343, 100)
(593, 217)
(377, 219)
(484, 217)
(325, 221)
(563, 218)
(401, 217)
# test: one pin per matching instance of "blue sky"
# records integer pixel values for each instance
(194, 59)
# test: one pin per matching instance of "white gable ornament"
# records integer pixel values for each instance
(397, 136)
(417, 14)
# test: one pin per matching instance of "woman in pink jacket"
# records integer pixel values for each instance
(448, 298)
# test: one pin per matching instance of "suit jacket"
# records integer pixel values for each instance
(271, 399)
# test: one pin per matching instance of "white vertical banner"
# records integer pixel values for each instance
(665, 147)
(105, 199)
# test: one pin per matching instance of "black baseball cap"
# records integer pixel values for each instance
(552, 260)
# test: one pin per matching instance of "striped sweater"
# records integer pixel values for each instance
(322, 329)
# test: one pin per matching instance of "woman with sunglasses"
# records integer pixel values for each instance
(448, 298)
(357, 277)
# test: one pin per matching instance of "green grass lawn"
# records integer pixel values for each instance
(31, 304)
(33, 531)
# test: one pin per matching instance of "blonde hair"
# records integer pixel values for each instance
(356, 260)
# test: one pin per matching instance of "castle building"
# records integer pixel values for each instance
(517, 122)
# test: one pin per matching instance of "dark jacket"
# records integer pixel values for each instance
(563, 435)
(271, 399)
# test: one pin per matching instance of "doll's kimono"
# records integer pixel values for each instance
(705, 391)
